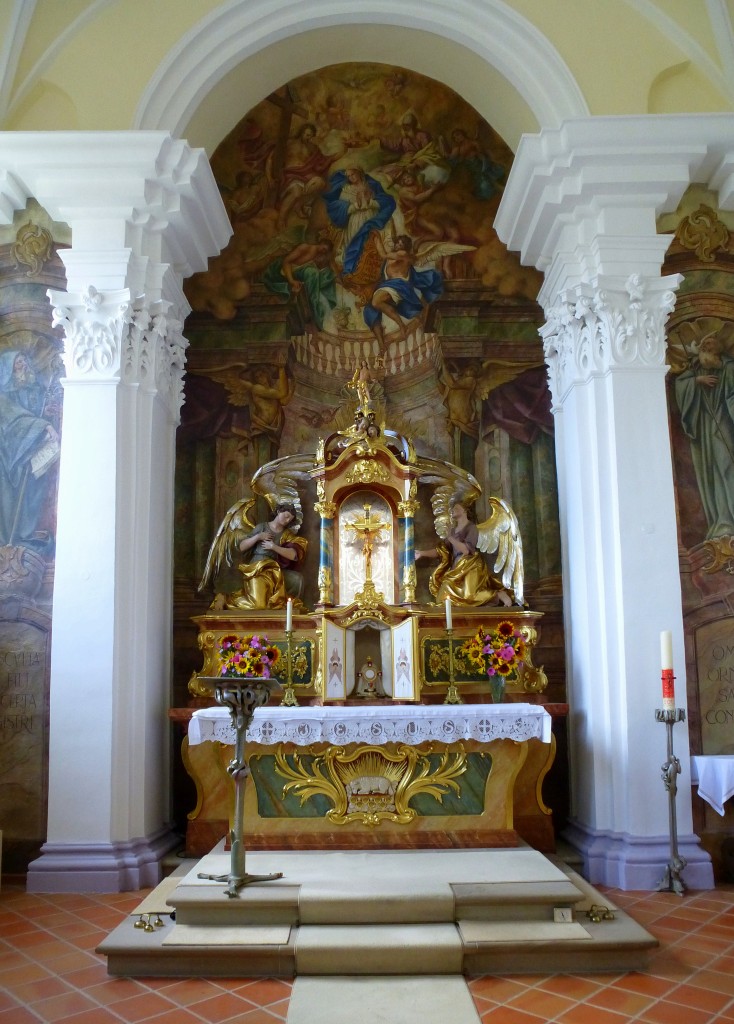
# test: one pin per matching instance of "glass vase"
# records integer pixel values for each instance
(497, 688)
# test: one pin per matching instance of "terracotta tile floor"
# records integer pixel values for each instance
(49, 972)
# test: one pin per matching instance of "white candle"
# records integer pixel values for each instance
(666, 649)
(289, 615)
(449, 621)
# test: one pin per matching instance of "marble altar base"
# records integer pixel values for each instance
(430, 912)
(383, 795)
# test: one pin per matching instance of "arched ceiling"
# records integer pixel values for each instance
(194, 68)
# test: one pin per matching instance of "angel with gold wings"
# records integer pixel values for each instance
(270, 553)
(403, 293)
(463, 574)
(255, 387)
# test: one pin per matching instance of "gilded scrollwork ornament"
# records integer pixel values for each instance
(703, 233)
(370, 784)
(32, 248)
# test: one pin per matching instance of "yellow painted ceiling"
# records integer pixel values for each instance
(89, 64)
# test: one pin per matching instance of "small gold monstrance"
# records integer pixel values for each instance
(369, 528)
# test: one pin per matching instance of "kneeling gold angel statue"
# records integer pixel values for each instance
(463, 574)
(271, 552)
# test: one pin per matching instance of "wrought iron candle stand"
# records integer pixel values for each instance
(241, 696)
(671, 880)
(452, 693)
(289, 695)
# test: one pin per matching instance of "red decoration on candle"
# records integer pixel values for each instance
(668, 689)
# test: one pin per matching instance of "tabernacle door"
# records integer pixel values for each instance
(337, 659)
(405, 661)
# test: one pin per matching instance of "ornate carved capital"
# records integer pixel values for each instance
(155, 352)
(590, 331)
(407, 509)
(325, 509)
(108, 337)
(94, 327)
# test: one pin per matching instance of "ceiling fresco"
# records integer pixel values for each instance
(367, 190)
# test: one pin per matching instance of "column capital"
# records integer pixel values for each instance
(616, 325)
(112, 337)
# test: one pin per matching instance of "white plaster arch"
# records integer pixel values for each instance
(488, 28)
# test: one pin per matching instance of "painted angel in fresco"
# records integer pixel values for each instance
(254, 387)
(460, 388)
(486, 175)
(412, 194)
(403, 292)
(463, 574)
(270, 553)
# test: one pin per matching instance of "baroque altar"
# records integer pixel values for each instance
(370, 653)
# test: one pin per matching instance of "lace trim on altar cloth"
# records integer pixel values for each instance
(376, 725)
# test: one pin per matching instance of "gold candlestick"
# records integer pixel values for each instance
(289, 694)
(452, 694)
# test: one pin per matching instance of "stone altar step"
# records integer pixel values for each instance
(377, 912)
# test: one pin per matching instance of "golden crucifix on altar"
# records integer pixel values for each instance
(369, 529)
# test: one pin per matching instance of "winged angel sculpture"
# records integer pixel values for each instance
(270, 553)
(462, 573)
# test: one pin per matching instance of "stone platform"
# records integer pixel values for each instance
(438, 912)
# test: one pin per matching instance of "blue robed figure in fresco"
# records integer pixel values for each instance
(403, 292)
(359, 206)
(28, 447)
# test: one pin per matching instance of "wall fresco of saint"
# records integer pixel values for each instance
(30, 436)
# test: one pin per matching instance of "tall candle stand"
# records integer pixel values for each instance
(452, 693)
(671, 880)
(241, 696)
(289, 694)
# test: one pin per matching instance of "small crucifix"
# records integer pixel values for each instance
(368, 528)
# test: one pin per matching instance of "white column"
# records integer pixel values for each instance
(581, 205)
(144, 213)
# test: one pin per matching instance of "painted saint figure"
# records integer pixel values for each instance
(705, 396)
(29, 446)
(309, 266)
(360, 208)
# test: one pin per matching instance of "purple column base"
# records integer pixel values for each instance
(622, 861)
(100, 867)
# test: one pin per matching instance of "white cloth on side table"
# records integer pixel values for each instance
(714, 776)
(411, 724)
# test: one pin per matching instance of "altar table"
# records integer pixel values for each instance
(376, 776)
(714, 776)
(411, 724)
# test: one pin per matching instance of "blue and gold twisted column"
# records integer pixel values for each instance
(327, 511)
(406, 512)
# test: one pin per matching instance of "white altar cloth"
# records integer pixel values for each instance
(714, 776)
(411, 724)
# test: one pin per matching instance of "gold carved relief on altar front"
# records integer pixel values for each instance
(371, 785)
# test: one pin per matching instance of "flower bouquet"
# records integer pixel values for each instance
(499, 652)
(247, 656)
